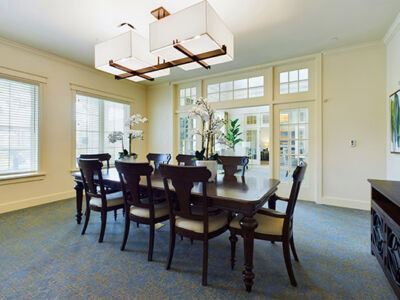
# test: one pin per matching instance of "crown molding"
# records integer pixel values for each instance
(393, 30)
(372, 44)
(60, 59)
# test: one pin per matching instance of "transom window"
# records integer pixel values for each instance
(236, 89)
(187, 96)
(19, 131)
(95, 119)
(295, 81)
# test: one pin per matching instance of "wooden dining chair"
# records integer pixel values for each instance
(231, 163)
(140, 210)
(99, 156)
(186, 159)
(157, 159)
(186, 219)
(95, 193)
(273, 225)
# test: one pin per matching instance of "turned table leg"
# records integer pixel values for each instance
(79, 194)
(248, 225)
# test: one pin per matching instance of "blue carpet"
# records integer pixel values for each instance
(43, 255)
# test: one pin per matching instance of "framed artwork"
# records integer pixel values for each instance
(395, 122)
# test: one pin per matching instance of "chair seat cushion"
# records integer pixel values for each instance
(160, 210)
(215, 222)
(266, 224)
(113, 199)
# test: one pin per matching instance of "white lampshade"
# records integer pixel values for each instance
(130, 50)
(198, 28)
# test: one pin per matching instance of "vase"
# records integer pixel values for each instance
(129, 159)
(211, 165)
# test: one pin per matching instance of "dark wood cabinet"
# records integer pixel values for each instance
(385, 228)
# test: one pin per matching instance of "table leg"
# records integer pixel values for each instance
(248, 225)
(79, 194)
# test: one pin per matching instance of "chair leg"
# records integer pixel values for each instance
(171, 245)
(115, 215)
(181, 237)
(233, 239)
(293, 249)
(286, 254)
(87, 217)
(205, 262)
(191, 241)
(151, 243)
(126, 232)
(137, 224)
(103, 225)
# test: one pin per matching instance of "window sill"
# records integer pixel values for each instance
(19, 178)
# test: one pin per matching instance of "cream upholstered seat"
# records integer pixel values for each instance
(113, 199)
(266, 224)
(160, 210)
(214, 223)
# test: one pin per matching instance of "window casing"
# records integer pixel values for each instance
(95, 119)
(246, 88)
(19, 127)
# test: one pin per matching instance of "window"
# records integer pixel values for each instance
(95, 120)
(295, 81)
(237, 89)
(19, 150)
(187, 140)
(187, 96)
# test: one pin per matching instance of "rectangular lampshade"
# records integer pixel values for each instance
(130, 50)
(198, 28)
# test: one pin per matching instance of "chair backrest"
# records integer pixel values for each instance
(99, 156)
(187, 159)
(298, 176)
(157, 159)
(182, 179)
(130, 174)
(92, 178)
(230, 164)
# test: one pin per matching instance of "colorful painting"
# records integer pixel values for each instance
(395, 122)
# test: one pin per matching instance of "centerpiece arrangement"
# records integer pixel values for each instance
(210, 132)
(131, 133)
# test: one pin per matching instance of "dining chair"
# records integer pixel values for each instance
(99, 156)
(186, 159)
(273, 225)
(140, 210)
(95, 193)
(186, 219)
(157, 159)
(230, 164)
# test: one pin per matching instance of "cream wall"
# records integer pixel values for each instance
(353, 83)
(56, 136)
(392, 41)
(160, 111)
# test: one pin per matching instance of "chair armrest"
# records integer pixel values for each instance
(282, 198)
(271, 213)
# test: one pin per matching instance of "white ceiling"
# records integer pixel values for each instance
(264, 30)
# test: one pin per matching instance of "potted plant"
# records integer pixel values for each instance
(233, 134)
(134, 134)
(210, 132)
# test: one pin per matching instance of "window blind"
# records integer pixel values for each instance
(19, 150)
(95, 119)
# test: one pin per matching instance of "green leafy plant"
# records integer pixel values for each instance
(233, 133)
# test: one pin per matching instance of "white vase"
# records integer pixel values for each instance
(211, 165)
(129, 159)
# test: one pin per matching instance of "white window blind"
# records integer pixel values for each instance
(95, 119)
(19, 151)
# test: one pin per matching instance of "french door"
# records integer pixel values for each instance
(293, 144)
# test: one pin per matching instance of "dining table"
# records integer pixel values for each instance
(242, 195)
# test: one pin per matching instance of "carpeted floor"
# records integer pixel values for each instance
(43, 255)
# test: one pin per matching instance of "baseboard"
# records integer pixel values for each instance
(347, 203)
(25, 203)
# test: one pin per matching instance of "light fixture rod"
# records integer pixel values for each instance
(125, 69)
(174, 63)
(185, 51)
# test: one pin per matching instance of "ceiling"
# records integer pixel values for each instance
(264, 30)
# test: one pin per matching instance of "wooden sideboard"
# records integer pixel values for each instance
(385, 228)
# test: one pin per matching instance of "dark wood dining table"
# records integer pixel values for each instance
(243, 195)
